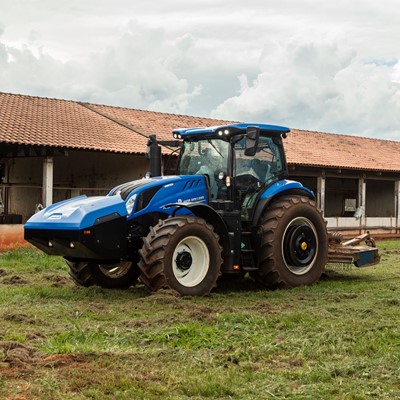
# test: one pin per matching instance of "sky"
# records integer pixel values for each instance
(307, 64)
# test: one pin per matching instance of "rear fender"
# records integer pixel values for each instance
(281, 188)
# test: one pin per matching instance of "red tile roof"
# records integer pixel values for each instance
(151, 122)
(60, 123)
(318, 149)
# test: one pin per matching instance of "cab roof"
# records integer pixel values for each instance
(228, 130)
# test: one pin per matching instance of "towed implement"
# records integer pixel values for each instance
(229, 210)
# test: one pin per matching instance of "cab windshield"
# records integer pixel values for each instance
(264, 167)
(206, 157)
(210, 157)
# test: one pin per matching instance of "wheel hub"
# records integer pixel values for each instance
(300, 246)
(184, 260)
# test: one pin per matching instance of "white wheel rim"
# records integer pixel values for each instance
(306, 267)
(190, 261)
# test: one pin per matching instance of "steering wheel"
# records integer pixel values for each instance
(247, 180)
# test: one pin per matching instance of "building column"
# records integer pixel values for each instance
(47, 191)
(397, 205)
(321, 193)
(362, 195)
(5, 190)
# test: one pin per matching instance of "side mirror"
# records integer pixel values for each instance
(252, 136)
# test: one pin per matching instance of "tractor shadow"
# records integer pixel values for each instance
(229, 284)
(330, 276)
(345, 273)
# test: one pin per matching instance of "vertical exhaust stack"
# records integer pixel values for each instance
(153, 154)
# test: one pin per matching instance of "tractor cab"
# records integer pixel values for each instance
(239, 161)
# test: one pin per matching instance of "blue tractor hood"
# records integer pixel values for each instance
(83, 212)
(77, 213)
(97, 227)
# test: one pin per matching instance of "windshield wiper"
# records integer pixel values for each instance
(215, 147)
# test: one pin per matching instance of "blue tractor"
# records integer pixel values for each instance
(229, 210)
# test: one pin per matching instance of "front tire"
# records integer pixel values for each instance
(294, 244)
(110, 276)
(182, 253)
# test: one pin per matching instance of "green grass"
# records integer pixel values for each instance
(339, 339)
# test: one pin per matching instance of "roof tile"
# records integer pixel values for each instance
(341, 151)
(68, 124)
(61, 123)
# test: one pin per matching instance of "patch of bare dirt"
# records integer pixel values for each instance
(290, 363)
(164, 296)
(15, 280)
(21, 318)
(202, 313)
(228, 309)
(3, 272)
(262, 306)
(344, 296)
(61, 360)
(145, 323)
(58, 280)
(18, 355)
(11, 237)
(35, 336)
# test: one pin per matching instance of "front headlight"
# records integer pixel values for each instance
(130, 203)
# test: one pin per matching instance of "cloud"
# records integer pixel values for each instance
(320, 86)
(136, 71)
(330, 66)
(145, 67)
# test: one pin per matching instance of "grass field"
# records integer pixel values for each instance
(339, 339)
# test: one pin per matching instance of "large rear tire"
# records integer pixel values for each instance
(111, 276)
(182, 253)
(294, 244)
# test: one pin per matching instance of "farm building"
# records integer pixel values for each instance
(53, 149)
